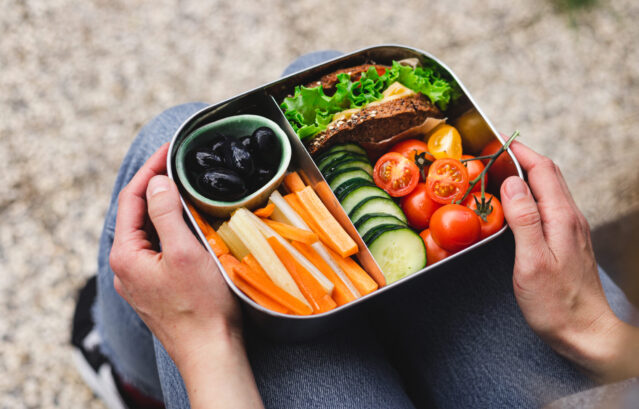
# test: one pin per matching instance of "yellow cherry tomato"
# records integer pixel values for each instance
(474, 131)
(445, 142)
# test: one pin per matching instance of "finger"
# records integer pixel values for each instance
(165, 211)
(552, 200)
(522, 215)
(131, 214)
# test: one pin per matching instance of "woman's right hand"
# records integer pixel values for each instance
(555, 278)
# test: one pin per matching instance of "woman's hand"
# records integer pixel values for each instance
(556, 281)
(179, 291)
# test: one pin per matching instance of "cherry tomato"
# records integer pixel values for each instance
(419, 207)
(434, 253)
(474, 131)
(411, 147)
(494, 219)
(474, 168)
(396, 174)
(445, 142)
(455, 227)
(447, 180)
(501, 168)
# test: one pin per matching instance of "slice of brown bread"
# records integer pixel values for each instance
(377, 123)
(328, 81)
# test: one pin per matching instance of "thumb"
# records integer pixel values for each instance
(522, 215)
(165, 212)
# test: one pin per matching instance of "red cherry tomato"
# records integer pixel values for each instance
(419, 207)
(501, 168)
(474, 168)
(411, 147)
(434, 253)
(494, 219)
(447, 180)
(396, 174)
(455, 227)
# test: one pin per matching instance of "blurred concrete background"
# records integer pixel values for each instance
(78, 80)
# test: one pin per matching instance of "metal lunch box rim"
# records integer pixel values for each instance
(380, 290)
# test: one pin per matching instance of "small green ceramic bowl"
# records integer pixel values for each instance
(236, 127)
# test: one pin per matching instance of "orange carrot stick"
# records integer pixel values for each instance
(295, 203)
(233, 267)
(341, 293)
(293, 182)
(260, 281)
(215, 241)
(360, 278)
(304, 177)
(291, 232)
(319, 299)
(265, 211)
(337, 237)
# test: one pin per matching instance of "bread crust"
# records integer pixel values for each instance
(377, 123)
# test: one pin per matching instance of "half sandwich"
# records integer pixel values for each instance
(369, 104)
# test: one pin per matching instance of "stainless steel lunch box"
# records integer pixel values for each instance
(265, 101)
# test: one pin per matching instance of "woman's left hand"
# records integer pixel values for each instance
(179, 291)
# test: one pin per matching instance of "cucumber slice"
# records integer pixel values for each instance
(374, 233)
(348, 163)
(343, 189)
(398, 251)
(344, 175)
(325, 155)
(376, 205)
(337, 157)
(352, 198)
(369, 221)
(350, 147)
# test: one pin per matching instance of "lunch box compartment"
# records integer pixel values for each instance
(264, 101)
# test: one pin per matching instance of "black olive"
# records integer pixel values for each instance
(261, 176)
(221, 184)
(217, 144)
(247, 143)
(203, 159)
(237, 158)
(267, 146)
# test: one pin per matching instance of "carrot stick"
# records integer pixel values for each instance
(337, 237)
(319, 299)
(293, 182)
(295, 203)
(360, 278)
(259, 280)
(215, 241)
(341, 293)
(265, 211)
(304, 177)
(291, 232)
(233, 267)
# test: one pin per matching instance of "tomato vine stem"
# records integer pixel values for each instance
(482, 175)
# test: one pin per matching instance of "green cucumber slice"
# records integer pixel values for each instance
(398, 251)
(344, 175)
(337, 157)
(348, 163)
(376, 205)
(353, 197)
(350, 147)
(343, 189)
(369, 221)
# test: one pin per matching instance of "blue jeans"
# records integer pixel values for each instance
(460, 342)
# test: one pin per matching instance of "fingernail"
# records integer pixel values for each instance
(515, 188)
(158, 184)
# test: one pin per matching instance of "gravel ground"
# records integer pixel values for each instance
(78, 79)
